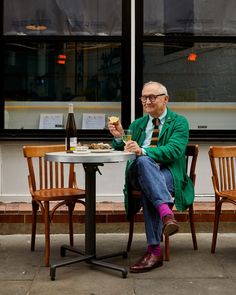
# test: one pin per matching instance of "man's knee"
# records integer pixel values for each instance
(144, 161)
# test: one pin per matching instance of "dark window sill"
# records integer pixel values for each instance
(212, 135)
(104, 135)
(54, 135)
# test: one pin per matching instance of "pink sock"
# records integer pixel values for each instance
(149, 249)
(164, 210)
(155, 249)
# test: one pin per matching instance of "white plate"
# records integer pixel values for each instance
(81, 152)
(101, 150)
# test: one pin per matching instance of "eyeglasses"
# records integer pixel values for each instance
(151, 97)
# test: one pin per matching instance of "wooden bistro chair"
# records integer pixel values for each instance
(223, 165)
(51, 185)
(191, 154)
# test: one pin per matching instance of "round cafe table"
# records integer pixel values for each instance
(91, 161)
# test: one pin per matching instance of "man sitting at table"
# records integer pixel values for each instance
(159, 169)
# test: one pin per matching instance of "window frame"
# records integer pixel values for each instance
(85, 135)
(125, 40)
(140, 39)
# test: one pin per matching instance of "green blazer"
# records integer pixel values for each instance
(170, 152)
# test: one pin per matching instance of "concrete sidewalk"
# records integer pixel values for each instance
(188, 271)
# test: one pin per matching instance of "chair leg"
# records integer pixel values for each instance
(167, 248)
(35, 208)
(216, 225)
(47, 233)
(71, 206)
(192, 227)
(131, 231)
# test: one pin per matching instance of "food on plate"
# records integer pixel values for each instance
(99, 146)
(114, 119)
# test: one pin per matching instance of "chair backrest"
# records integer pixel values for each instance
(223, 161)
(44, 174)
(191, 155)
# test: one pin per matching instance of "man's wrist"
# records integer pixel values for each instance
(140, 152)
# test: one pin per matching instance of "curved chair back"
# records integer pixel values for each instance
(52, 185)
(223, 165)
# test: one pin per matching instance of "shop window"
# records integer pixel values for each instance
(200, 81)
(190, 47)
(54, 52)
(44, 77)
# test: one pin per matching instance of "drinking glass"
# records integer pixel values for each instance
(127, 135)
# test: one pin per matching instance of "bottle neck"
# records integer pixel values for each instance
(71, 110)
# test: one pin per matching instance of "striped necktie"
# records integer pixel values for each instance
(155, 132)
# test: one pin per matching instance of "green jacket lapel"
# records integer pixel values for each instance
(169, 118)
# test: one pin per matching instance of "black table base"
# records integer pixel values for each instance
(91, 259)
(90, 230)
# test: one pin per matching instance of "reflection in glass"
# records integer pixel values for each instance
(62, 72)
(41, 78)
(63, 17)
(200, 80)
(205, 78)
(198, 17)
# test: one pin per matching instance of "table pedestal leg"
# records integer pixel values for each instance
(90, 230)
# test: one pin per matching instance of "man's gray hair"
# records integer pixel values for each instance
(159, 85)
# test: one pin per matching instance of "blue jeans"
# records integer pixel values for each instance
(156, 183)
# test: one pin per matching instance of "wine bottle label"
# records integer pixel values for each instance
(72, 143)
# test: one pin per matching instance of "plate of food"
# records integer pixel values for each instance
(100, 148)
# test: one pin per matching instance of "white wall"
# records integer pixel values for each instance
(14, 185)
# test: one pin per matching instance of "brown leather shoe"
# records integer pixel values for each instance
(170, 225)
(147, 262)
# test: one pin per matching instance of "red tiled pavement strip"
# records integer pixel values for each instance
(110, 212)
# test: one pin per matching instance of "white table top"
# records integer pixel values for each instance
(90, 157)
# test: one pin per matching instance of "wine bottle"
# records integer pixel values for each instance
(71, 131)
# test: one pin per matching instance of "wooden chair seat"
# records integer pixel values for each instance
(230, 194)
(69, 194)
(191, 160)
(54, 187)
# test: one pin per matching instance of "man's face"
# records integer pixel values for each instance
(157, 107)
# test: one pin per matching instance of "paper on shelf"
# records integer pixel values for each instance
(51, 121)
(93, 121)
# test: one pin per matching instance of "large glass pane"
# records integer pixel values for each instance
(198, 17)
(63, 17)
(44, 77)
(200, 80)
